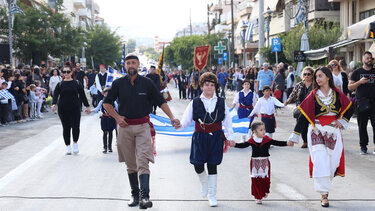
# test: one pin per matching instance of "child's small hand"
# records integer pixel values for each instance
(232, 143)
(290, 143)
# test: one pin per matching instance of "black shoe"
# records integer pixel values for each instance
(133, 180)
(363, 150)
(110, 150)
(145, 202)
(105, 151)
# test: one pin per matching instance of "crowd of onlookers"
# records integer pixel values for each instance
(26, 91)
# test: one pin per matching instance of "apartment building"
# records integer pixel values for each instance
(355, 15)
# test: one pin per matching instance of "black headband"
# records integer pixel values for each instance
(131, 57)
(207, 80)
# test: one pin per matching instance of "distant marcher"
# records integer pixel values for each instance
(182, 84)
(100, 81)
(290, 81)
(68, 96)
(222, 77)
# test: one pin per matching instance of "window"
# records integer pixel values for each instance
(366, 14)
(354, 9)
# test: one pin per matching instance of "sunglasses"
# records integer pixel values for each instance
(307, 74)
(66, 72)
(333, 65)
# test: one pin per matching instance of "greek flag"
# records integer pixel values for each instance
(163, 126)
(6, 95)
(300, 14)
(112, 75)
(249, 30)
(123, 60)
(14, 9)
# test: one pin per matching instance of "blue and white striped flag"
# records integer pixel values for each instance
(14, 8)
(249, 30)
(6, 95)
(112, 75)
(300, 14)
(163, 126)
(123, 60)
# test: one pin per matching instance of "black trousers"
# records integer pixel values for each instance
(212, 169)
(362, 120)
(70, 121)
(182, 92)
(107, 139)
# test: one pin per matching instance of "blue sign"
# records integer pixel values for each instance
(220, 60)
(225, 56)
(276, 45)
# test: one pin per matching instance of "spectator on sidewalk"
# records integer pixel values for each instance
(290, 81)
(265, 77)
(363, 82)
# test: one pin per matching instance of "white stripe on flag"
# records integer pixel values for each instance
(249, 31)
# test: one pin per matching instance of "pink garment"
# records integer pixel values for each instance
(39, 90)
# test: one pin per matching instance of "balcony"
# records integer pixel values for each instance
(79, 4)
(84, 13)
(96, 8)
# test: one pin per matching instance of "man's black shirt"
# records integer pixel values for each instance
(80, 75)
(367, 89)
(134, 101)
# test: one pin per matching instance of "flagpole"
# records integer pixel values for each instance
(10, 35)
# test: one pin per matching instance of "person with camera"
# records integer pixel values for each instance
(362, 81)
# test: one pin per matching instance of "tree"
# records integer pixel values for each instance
(181, 50)
(270, 56)
(104, 46)
(321, 34)
(131, 45)
(150, 53)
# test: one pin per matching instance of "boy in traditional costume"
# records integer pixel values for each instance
(266, 106)
(245, 99)
(328, 111)
(209, 112)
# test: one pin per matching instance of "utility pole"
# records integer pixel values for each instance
(208, 19)
(10, 17)
(191, 28)
(232, 23)
(261, 30)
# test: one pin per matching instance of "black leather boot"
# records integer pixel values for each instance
(145, 202)
(134, 200)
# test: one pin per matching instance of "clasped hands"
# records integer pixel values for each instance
(233, 143)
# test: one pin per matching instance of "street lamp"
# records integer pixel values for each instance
(268, 13)
(244, 27)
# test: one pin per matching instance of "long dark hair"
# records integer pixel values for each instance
(328, 73)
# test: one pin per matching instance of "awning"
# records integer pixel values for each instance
(322, 53)
(362, 29)
(255, 12)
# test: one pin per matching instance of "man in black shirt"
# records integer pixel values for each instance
(156, 79)
(81, 75)
(136, 95)
(363, 82)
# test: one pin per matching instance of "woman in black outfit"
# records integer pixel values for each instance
(182, 83)
(68, 95)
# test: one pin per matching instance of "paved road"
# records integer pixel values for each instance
(35, 173)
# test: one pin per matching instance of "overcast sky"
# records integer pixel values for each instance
(148, 18)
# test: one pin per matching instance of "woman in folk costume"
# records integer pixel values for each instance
(328, 110)
(245, 99)
(209, 112)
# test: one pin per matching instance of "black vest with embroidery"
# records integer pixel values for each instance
(199, 111)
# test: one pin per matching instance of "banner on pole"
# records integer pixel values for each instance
(201, 57)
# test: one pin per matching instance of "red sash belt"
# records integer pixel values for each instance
(325, 120)
(267, 116)
(246, 107)
(142, 120)
(209, 128)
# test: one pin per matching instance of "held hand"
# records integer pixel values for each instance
(232, 143)
(88, 111)
(249, 117)
(53, 108)
(337, 124)
(176, 123)
(121, 121)
(290, 143)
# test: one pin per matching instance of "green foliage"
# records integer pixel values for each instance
(150, 53)
(320, 34)
(270, 56)
(104, 46)
(181, 50)
(131, 45)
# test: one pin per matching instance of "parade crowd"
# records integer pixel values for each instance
(326, 98)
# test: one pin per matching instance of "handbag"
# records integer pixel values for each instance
(296, 113)
(363, 104)
(25, 98)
